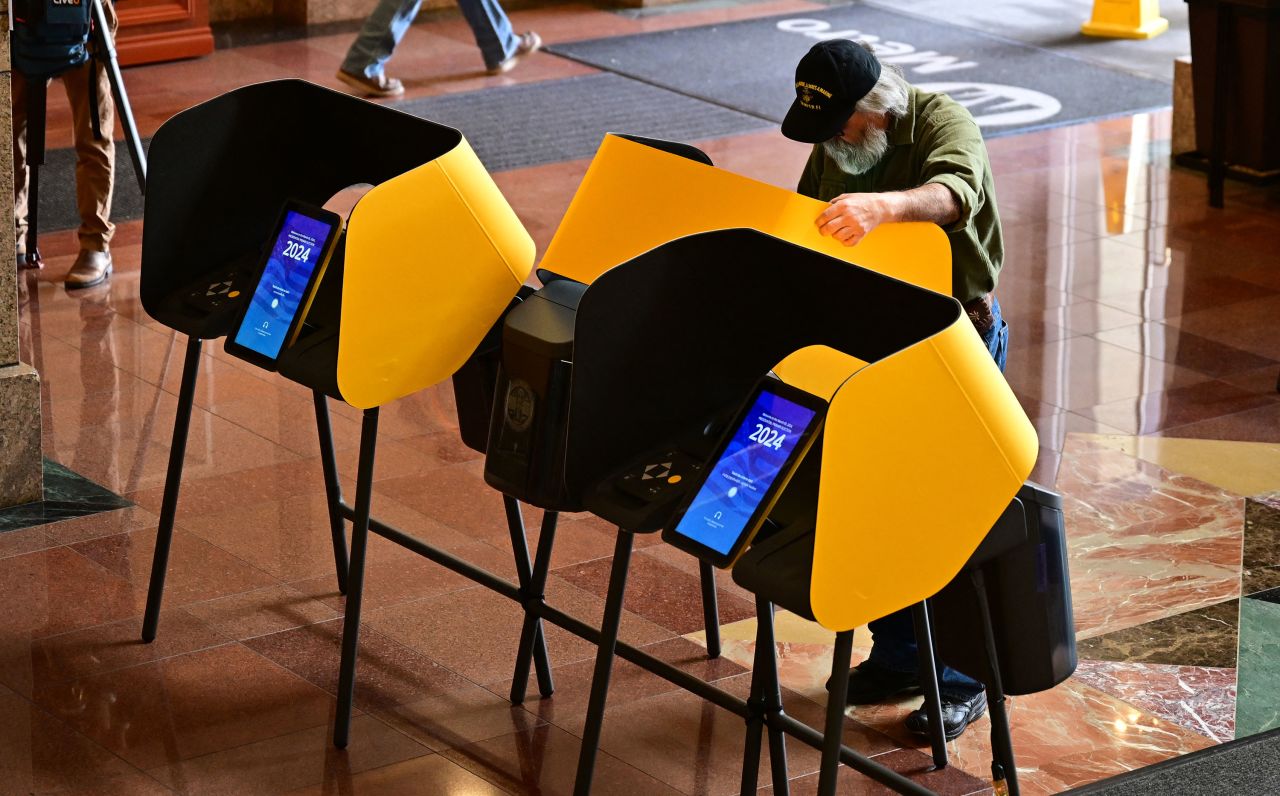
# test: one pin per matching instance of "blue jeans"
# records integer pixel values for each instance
(893, 638)
(386, 26)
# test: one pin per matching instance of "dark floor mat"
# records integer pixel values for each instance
(558, 120)
(1246, 767)
(749, 65)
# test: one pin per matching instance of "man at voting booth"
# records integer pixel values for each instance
(885, 151)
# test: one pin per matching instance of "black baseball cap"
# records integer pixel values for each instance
(830, 79)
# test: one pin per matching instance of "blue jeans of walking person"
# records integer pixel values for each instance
(894, 637)
(386, 26)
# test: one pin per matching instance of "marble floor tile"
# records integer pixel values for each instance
(187, 706)
(1144, 542)
(916, 766)
(403, 779)
(29, 665)
(1199, 698)
(1254, 425)
(60, 591)
(1261, 567)
(39, 754)
(659, 592)
(1243, 468)
(1177, 406)
(305, 760)
(544, 760)
(260, 612)
(1245, 327)
(1202, 637)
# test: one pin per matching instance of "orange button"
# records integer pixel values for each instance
(675, 479)
(233, 294)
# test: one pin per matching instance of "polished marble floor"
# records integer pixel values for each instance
(1143, 347)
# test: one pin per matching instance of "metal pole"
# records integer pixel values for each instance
(533, 645)
(172, 483)
(833, 732)
(710, 608)
(929, 682)
(604, 663)
(355, 578)
(332, 488)
(1004, 769)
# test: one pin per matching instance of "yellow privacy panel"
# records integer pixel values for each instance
(922, 452)
(432, 259)
(634, 198)
(818, 369)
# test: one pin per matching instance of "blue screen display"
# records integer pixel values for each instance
(742, 476)
(294, 255)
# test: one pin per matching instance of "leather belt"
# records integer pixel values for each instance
(980, 314)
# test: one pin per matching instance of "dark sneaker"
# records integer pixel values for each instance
(380, 86)
(529, 43)
(870, 683)
(957, 713)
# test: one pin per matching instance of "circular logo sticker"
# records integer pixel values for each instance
(520, 401)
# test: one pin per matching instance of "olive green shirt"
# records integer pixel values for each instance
(936, 141)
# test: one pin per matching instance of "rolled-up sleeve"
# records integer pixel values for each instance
(953, 156)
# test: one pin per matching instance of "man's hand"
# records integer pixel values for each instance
(850, 216)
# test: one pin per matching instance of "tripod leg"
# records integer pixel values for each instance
(106, 52)
(710, 608)
(929, 682)
(355, 578)
(172, 483)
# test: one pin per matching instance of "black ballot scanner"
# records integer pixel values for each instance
(1029, 590)
(530, 418)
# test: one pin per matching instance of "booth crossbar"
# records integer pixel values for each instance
(767, 713)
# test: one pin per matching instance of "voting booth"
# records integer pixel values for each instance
(365, 310)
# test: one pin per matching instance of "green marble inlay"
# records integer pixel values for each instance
(66, 495)
(1258, 694)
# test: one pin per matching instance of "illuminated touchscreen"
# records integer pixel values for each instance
(743, 475)
(296, 253)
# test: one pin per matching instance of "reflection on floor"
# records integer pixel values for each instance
(1142, 347)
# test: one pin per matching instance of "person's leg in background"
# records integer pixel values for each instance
(364, 66)
(891, 668)
(95, 169)
(500, 47)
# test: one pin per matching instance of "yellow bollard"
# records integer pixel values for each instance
(1126, 19)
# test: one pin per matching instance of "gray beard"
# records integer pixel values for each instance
(858, 158)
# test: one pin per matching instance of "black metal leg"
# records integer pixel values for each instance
(332, 489)
(929, 683)
(710, 608)
(355, 577)
(533, 644)
(834, 731)
(1003, 766)
(772, 693)
(172, 483)
(604, 663)
(756, 705)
